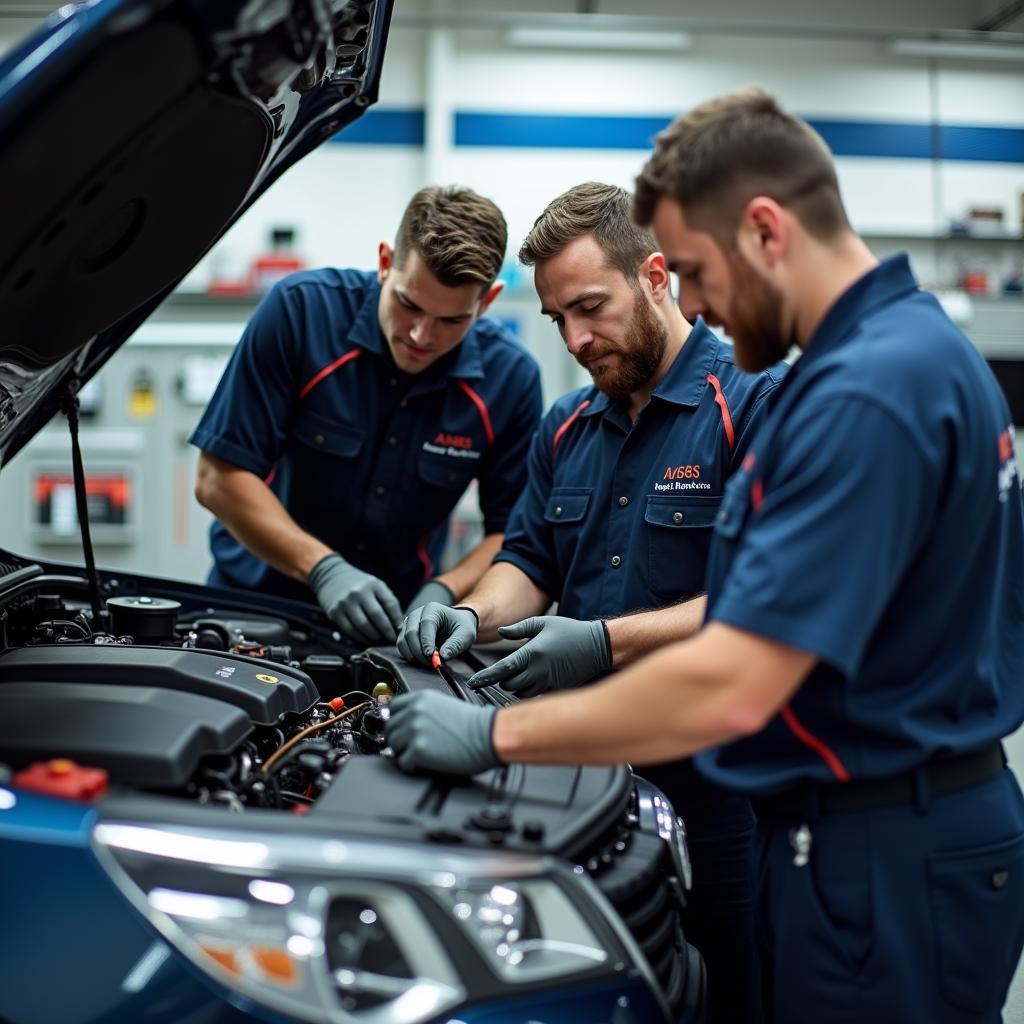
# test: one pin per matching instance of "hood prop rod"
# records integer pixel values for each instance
(70, 409)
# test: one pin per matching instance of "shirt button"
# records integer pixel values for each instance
(319, 439)
(722, 517)
(616, 561)
(380, 491)
(360, 547)
(999, 879)
(392, 441)
(677, 517)
(403, 403)
(393, 381)
(558, 510)
(623, 501)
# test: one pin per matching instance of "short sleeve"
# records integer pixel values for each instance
(245, 422)
(845, 491)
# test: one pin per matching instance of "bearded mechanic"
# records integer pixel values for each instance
(864, 643)
(625, 478)
(355, 411)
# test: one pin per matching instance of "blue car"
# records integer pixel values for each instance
(200, 820)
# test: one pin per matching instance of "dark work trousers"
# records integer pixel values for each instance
(911, 914)
(719, 917)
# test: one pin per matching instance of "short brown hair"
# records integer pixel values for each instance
(460, 236)
(716, 158)
(591, 209)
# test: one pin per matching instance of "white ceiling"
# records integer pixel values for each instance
(19, 16)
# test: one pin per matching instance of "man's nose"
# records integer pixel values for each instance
(422, 328)
(577, 338)
(691, 304)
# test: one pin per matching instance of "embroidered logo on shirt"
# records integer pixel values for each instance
(681, 478)
(458, 446)
(1007, 463)
(454, 440)
(681, 473)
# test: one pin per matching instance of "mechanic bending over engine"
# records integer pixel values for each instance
(625, 477)
(355, 411)
(864, 646)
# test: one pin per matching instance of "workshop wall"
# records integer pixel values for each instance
(875, 108)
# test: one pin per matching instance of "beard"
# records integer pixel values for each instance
(756, 321)
(640, 353)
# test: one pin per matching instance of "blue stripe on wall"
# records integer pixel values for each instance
(556, 131)
(1002, 145)
(385, 128)
(874, 138)
(913, 141)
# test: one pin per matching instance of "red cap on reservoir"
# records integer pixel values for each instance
(64, 778)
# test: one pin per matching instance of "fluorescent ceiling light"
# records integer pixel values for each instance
(584, 38)
(953, 50)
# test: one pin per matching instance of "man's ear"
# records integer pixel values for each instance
(655, 271)
(385, 260)
(489, 296)
(763, 232)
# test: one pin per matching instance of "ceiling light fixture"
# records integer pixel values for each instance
(956, 50)
(586, 38)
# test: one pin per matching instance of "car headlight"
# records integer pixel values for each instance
(527, 930)
(354, 931)
(657, 814)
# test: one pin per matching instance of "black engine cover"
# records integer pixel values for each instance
(142, 736)
(263, 690)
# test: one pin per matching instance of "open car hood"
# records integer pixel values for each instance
(133, 133)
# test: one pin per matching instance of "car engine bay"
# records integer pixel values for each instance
(226, 707)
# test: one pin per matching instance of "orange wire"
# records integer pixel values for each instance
(316, 727)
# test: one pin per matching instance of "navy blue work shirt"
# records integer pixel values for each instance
(617, 515)
(366, 458)
(876, 522)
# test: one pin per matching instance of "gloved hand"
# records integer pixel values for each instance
(359, 604)
(432, 590)
(561, 653)
(454, 629)
(432, 731)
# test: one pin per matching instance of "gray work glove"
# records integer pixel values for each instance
(359, 604)
(439, 733)
(424, 629)
(561, 653)
(432, 590)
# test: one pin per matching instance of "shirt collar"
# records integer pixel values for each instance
(687, 377)
(881, 285)
(465, 362)
(365, 330)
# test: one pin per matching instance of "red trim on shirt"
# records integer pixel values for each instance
(818, 746)
(481, 407)
(328, 370)
(269, 478)
(567, 424)
(428, 565)
(757, 493)
(730, 434)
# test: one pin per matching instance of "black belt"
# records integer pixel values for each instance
(936, 778)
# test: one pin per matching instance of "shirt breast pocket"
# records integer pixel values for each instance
(327, 437)
(566, 512)
(678, 537)
(446, 472)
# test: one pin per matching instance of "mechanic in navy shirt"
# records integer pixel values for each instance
(354, 413)
(864, 650)
(625, 479)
